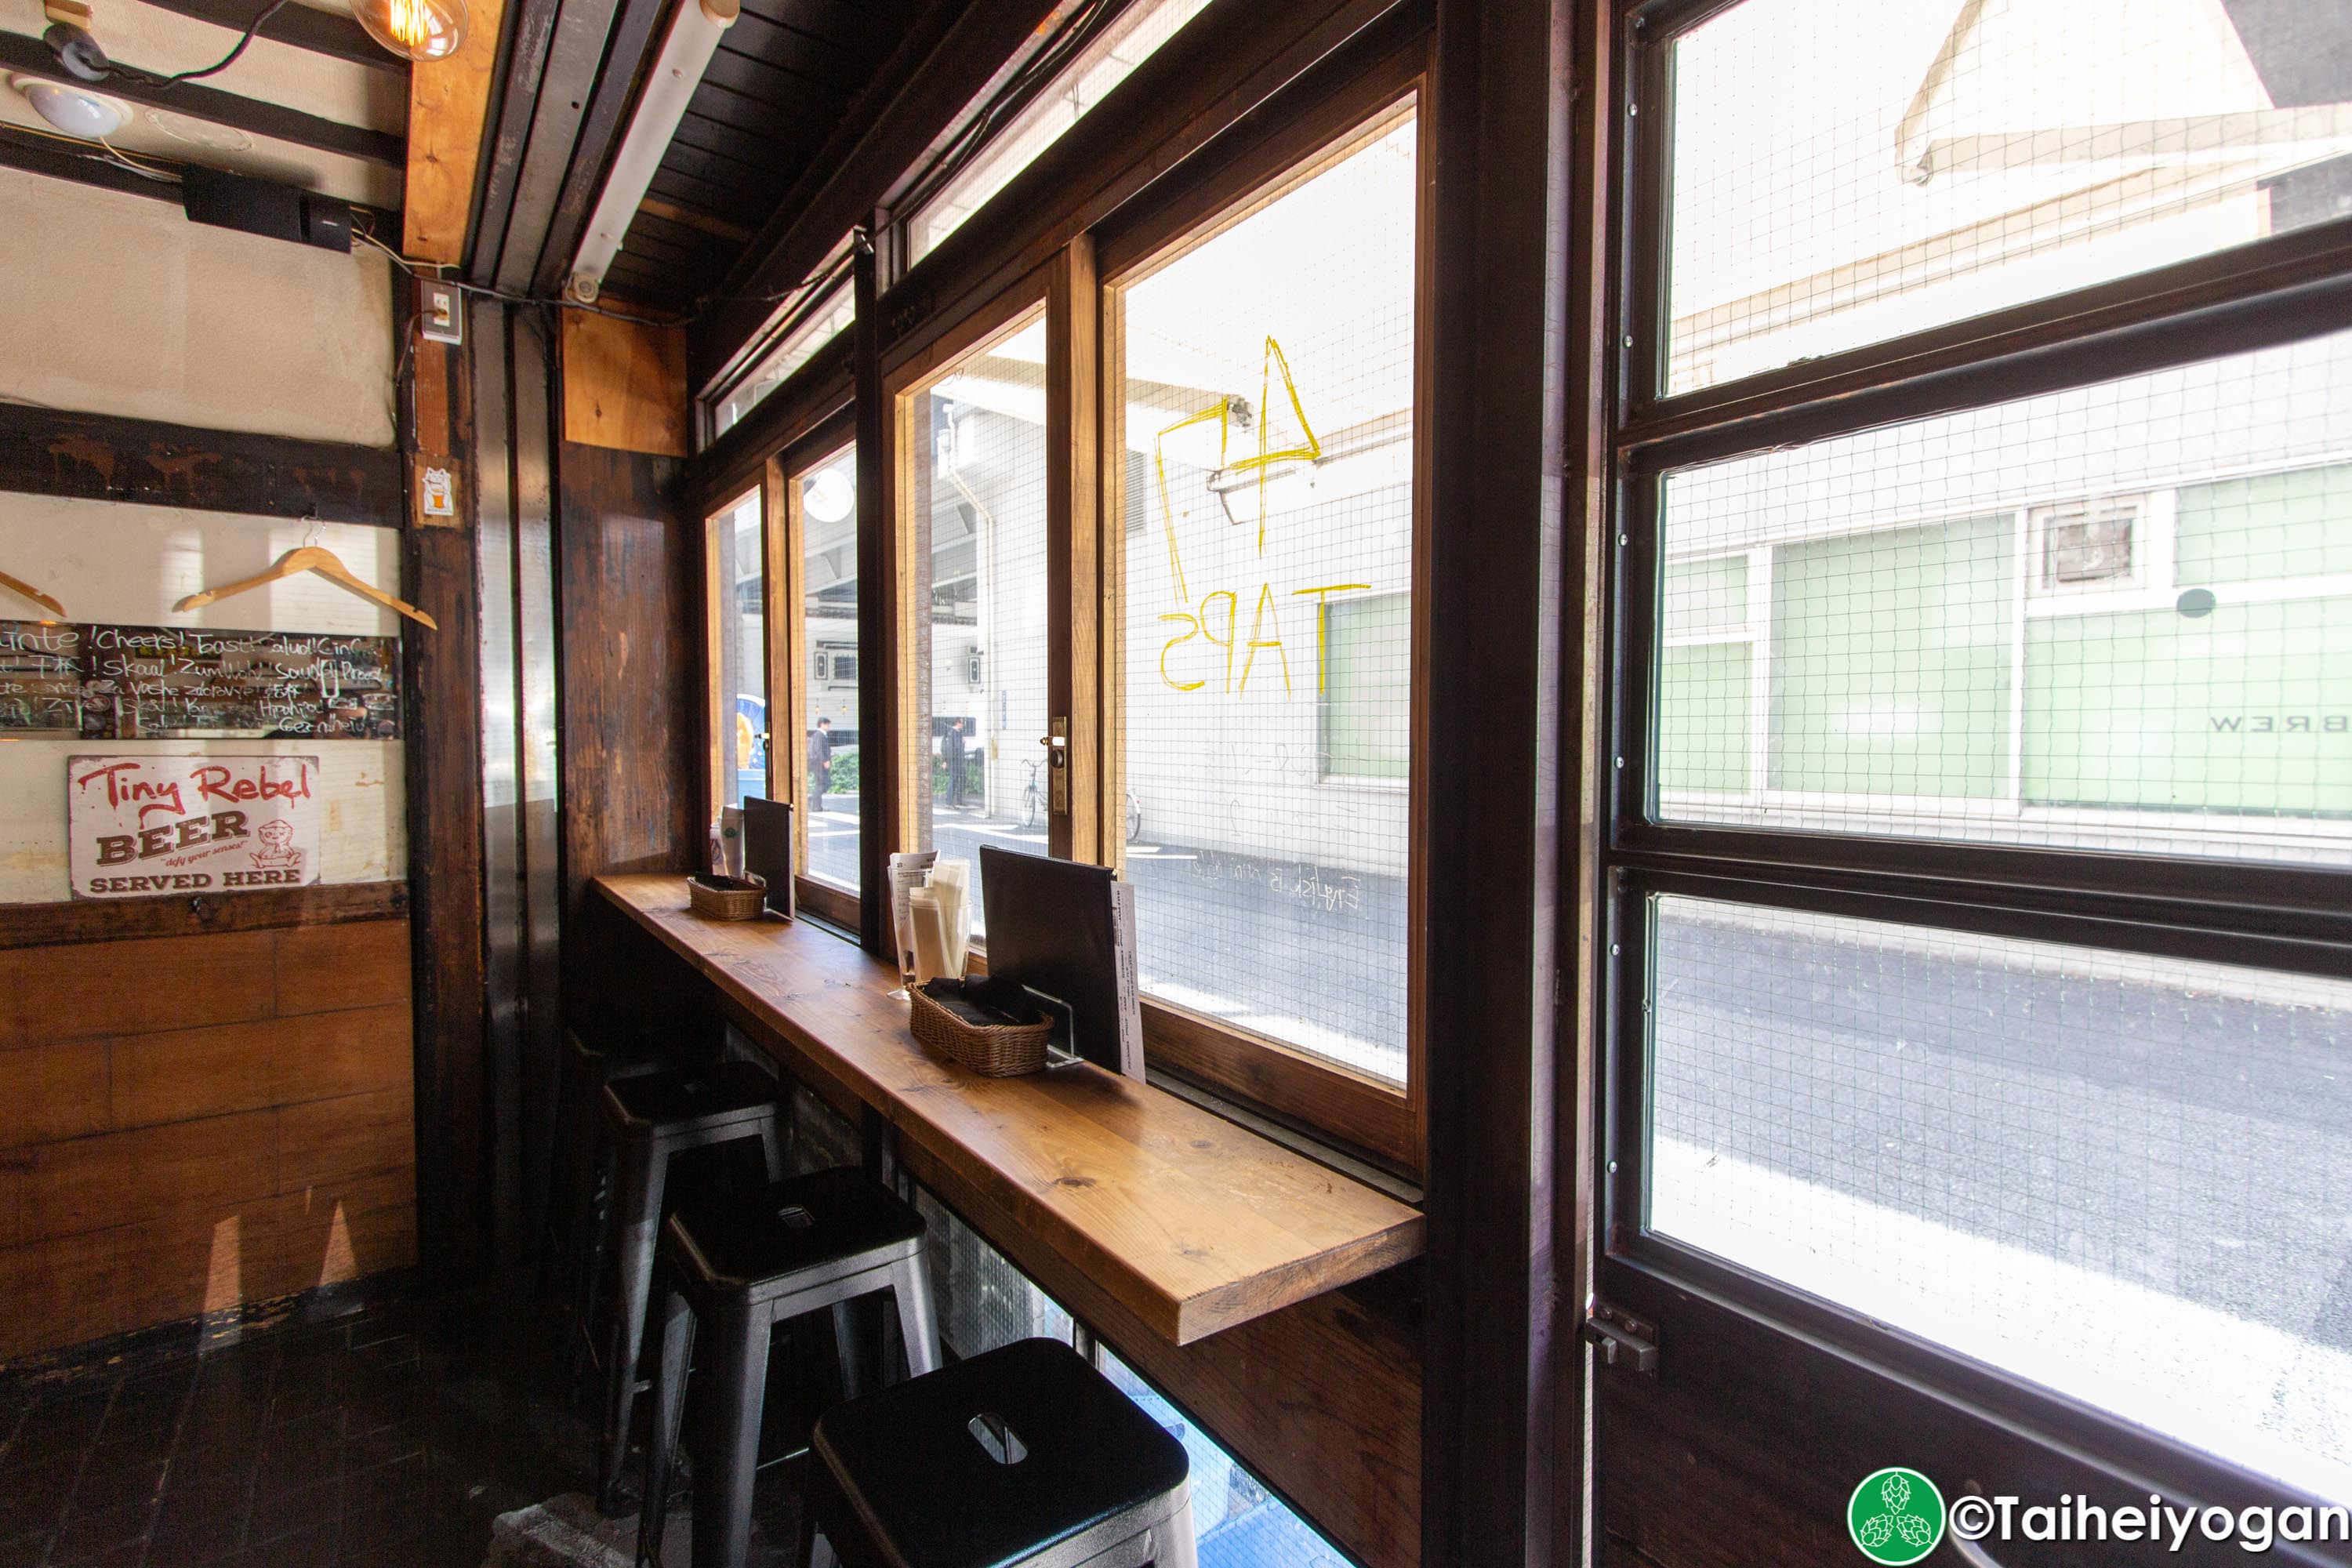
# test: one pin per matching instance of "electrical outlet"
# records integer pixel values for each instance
(442, 322)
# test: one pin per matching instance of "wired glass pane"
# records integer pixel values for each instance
(2118, 617)
(830, 320)
(2074, 1164)
(739, 619)
(1845, 174)
(830, 662)
(1236, 1521)
(1268, 585)
(1102, 64)
(977, 507)
(983, 1301)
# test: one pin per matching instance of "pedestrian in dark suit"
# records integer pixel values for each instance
(820, 762)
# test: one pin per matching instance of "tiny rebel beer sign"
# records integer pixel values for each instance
(138, 827)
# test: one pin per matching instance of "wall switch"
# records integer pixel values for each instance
(442, 322)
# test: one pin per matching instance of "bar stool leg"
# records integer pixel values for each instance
(727, 1450)
(919, 1327)
(772, 1144)
(635, 1224)
(852, 1347)
(595, 1216)
(669, 1407)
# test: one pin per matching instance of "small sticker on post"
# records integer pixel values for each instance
(437, 493)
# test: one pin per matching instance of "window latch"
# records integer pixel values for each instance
(1620, 1338)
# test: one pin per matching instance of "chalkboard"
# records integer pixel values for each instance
(98, 682)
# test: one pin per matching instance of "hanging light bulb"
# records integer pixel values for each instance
(415, 29)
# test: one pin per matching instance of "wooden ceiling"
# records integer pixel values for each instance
(784, 76)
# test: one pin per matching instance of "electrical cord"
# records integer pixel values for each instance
(362, 232)
(108, 153)
(244, 39)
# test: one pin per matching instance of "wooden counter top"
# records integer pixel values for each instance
(1193, 1223)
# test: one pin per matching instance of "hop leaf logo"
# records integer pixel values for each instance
(1896, 1516)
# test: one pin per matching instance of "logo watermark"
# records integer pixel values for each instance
(1896, 1516)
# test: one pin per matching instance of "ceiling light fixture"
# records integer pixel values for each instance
(414, 29)
(694, 34)
(75, 110)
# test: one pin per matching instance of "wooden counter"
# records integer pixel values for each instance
(1189, 1222)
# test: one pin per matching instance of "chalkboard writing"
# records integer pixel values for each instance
(128, 683)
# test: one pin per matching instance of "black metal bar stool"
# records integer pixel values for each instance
(573, 1240)
(648, 1120)
(1022, 1457)
(734, 1269)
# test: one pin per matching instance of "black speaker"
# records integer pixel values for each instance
(259, 206)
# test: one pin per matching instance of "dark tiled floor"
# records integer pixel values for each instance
(389, 1434)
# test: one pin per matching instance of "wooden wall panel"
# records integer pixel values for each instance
(101, 989)
(631, 732)
(624, 385)
(191, 1122)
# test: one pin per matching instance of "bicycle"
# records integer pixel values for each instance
(1031, 798)
(1033, 802)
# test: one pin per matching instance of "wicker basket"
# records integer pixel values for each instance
(993, 1050)
(717, 897)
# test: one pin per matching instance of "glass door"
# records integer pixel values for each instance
(1975, 1153)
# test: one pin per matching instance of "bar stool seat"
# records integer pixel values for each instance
(647, 1120)
(734, 1268)
(1024, 1456)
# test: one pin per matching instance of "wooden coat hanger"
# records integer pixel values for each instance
(327, 564)
(16, 586)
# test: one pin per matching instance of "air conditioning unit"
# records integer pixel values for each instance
(2085, 545)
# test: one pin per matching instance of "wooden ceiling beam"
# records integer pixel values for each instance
(567, 86)
(448, 104)
(197, 101)
(601, 131)
(305, 27)
(517, 96)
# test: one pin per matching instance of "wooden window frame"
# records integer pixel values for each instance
(788, 649)
(718, 711)
(1046, 292)
(1382, 1119)
(2290, 919)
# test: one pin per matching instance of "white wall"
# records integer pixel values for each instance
(118, 305)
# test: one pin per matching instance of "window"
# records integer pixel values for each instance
(2079, 619)
(1836, 186)
(2037, 1153)
(824, 499)
(1268, 619)
(973, 505)
(1236, 1521)
(822, 314)
(1978, 748)
(1099, 65)
(739, 653)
